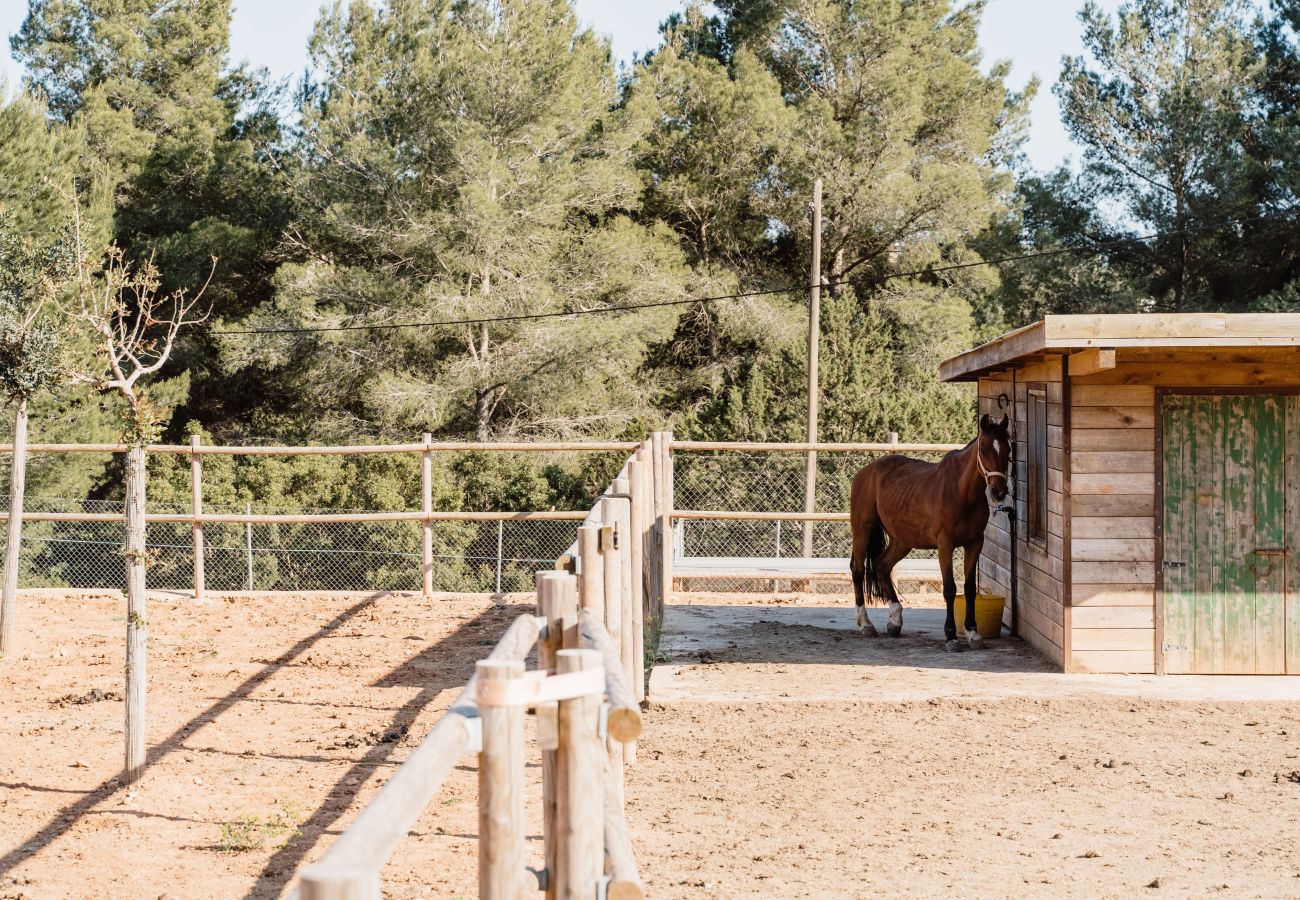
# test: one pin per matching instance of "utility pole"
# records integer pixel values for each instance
(814, 342)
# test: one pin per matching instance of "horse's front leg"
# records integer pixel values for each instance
(972, 553)
(949, 595)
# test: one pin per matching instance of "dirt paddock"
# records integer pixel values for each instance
(274, 719)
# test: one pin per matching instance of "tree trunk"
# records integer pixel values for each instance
(1180, 296)
(837, 272)
(136, 615)
(482, 415)
(483, 397)
(14, 532)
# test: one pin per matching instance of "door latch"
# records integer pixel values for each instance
(1167, 564)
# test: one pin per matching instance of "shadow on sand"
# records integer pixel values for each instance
(828, 636)
(429, 670)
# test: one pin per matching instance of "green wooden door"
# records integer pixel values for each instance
(1229, 524)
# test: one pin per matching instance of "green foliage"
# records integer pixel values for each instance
(455, 159)
(31, 281)
(245, 833)
(1167, 114)
(465, 160)
(29, 355)
(36, 159)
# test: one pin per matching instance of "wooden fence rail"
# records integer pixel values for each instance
(590, 635)
(348, 450)
(585, 833)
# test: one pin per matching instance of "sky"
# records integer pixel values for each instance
(1033, 34)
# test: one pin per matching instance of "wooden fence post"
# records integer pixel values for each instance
(137, 614)
(14, 531)
(350, 883)
(248, 544)
(612, 545)
(623, 488)
(624, 630)
(196, 500)
(501, 849)
(550, 604)
(426, 506)
(636, 548)
(591, 571)
(611, 538)
(658, 537)
(669, 543)
(581, 808)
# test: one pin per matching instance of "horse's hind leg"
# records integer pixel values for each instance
(862, 532)
(885, 574)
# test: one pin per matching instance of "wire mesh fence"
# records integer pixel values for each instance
(469, 557)
(769, 482)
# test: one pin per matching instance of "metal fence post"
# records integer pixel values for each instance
(248, 543)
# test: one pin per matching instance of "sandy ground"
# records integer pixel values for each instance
(786, 756)
(274, 719)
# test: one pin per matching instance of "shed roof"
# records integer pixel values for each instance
(1064, 334)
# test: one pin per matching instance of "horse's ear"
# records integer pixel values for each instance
(1003, 423)
(985, 421)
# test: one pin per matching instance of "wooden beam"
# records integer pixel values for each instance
(1000, 351)
(1096, 359)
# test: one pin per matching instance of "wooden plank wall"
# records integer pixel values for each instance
(1113, 546)
(1114, 468)
(1040, 567)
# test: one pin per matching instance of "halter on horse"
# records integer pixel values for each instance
(922, 505)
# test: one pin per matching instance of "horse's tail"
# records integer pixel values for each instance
(875, 546)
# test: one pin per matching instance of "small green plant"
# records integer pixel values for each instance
(654, 632)
(245, 833)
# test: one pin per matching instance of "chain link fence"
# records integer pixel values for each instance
(768, 482)
(468, 557)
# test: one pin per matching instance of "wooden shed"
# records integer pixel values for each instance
(1157, 489)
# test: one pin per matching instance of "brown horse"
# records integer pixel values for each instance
(922, 505)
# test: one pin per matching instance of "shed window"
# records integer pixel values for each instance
(1036, 476)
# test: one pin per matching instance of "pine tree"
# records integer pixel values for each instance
(885, 102)
(182, 144)
(465, 160)
(1164, 118)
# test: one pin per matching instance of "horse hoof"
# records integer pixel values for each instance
(868, 630)
(895, 626)
(973, 637)
(952, 646)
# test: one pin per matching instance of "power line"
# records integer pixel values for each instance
(787, 289)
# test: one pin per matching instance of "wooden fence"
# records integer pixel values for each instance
(426, 515)
(594, 613)
(586, 689)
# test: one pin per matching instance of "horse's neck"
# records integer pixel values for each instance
(970, 483)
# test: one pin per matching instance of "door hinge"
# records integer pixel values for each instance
(1171, 648)
(1172, 564)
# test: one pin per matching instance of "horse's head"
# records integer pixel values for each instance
(993, 456)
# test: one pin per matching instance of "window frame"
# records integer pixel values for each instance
(1036, 464)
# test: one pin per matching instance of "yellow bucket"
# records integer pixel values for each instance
(988, 613)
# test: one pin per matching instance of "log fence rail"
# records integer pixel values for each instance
(586, 690)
